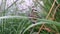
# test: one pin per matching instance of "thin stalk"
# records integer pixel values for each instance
(12, 4)
(47, 16)
(55, 11)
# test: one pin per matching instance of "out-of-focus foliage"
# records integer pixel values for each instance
(20, 7)
(14, 18)
(22, 25)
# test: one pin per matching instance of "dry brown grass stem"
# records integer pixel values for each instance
(47, 16)
(55, 11)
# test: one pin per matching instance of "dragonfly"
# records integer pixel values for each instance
(34, 15)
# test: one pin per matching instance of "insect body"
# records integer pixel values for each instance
(33, 15)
